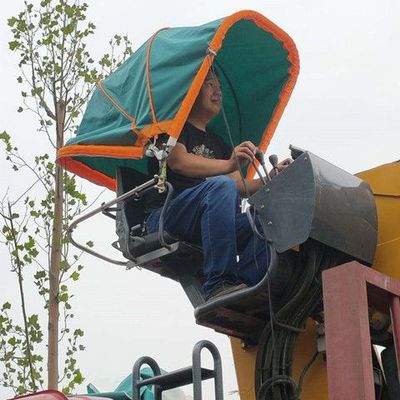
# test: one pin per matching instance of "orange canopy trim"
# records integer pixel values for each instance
(90, 174)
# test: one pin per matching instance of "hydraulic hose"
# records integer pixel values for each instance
(274, 357)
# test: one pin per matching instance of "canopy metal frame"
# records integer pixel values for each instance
(105, 208)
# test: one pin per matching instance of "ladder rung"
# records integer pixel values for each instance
(174, 379)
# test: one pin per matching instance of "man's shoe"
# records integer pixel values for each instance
(224, 289)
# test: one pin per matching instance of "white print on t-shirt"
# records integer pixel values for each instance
(203, 151)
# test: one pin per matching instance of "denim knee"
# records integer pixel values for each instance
(223, 183)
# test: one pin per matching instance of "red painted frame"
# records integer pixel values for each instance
(348, 290)
(55, 395)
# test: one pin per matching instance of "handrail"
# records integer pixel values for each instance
(196, 369)
(156, 370)
(100, 209)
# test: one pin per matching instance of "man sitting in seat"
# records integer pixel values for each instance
(208, 187)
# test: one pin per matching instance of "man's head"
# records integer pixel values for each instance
(208, 102)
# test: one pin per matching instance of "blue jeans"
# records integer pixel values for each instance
(209, 214)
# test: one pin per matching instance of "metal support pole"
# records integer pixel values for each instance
(348, 292)
(348, 345)
(395, 316)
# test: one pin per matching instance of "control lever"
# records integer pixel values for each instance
(273, 159)
(260, 158)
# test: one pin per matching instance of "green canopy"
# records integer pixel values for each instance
(154, 90)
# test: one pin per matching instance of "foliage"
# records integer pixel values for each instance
(54, 61)
(57, 73)
(17, 360)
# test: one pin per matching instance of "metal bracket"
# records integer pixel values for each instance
(102, 208)
(161, 155)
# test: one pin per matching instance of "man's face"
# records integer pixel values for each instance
(210, 96)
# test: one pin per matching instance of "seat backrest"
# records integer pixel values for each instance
(131, 211)
(133, 208)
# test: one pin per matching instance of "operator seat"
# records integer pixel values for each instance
(180, 261)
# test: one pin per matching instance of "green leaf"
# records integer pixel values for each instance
(69, 10)
(21, 26)
(30, 243)
(40, 275)
(68, 29)
(33, 252)
(78, 332)
(78, 378)
(13, 45)
(12, 341)
(6, 306)
(33, 319)
(11, 21)
(63, 297)
(5, 137)
(75, 276)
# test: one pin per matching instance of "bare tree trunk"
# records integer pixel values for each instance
(55, 258)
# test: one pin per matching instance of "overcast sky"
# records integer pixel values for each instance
(345, 108)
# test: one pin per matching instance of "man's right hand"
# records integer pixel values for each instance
(242, 154)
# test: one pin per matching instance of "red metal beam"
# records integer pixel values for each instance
(348, 290)
(395, 316)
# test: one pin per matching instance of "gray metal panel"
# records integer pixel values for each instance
(345, 214)
(313, 198)
(285, 205)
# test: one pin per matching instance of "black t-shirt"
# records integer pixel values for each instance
(196, 141)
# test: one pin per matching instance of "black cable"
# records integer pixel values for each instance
(304, 372)
(286, 338)
(251, 219)
(301, 311)
(269, 383)
(236, 101)
(288, 327)
(160, 236)
(228, 130)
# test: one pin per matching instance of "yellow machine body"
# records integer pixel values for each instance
(385, 184)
